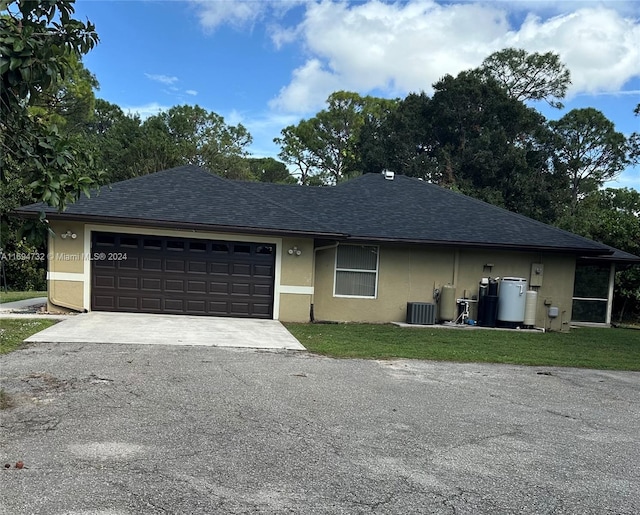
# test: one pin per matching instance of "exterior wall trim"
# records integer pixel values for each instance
(65, 276)
(89, 228)
(297, 290)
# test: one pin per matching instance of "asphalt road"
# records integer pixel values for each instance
(124, 429)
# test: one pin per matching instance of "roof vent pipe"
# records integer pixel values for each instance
(388, 174)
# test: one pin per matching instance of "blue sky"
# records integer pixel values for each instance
(268, 64)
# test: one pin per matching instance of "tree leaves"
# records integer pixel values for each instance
(527, 76)
(588, 150)
(37, 54)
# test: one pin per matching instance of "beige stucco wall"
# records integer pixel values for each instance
(296, 280)
(68, 252)
(297, 270)
(65, 296)
(69, 266)
(410, 274)
(65, 267)
(406, 274)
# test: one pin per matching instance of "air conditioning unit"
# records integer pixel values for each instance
(422, 313)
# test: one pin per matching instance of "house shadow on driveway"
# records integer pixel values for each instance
(150, 329)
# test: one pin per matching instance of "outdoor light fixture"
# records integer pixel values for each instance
(294, 251)
(68, 234)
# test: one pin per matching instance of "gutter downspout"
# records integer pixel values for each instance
(456, 267)
(313, 277)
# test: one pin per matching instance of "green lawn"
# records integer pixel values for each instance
(12, 296)
(13, 331)
(601, 348)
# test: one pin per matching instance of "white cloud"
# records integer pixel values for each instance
(236, 13)
(163, 79)
(240, 13)
(146, 110)
(191, 92)
(599, 46)
(401, 47)
(309, 88)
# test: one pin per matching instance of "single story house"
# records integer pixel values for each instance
(185, 241)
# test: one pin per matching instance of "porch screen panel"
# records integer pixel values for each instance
(590, 293)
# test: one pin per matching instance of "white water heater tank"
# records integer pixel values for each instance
(512, 299)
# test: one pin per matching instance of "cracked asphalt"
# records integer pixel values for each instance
(125, 429)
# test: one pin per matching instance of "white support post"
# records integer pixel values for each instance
(612, 279)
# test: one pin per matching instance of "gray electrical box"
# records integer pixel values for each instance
(537, 271)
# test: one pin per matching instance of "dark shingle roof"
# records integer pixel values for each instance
(187, 195)
(369, 207)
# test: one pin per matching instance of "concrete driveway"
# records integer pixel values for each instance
(139, 328)
(136, 429)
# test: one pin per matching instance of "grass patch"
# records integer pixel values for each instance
(13, 331)
(601, 348)
(12, 296)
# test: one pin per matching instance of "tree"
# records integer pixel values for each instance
(473, 137)
(295, 150)
(128, 147)
(634, 142)
(117, 141)
(268, 169)
(588, 151)
(490, 145)
(327, 144)
(399, 139)
(527, 76)
(39, 45)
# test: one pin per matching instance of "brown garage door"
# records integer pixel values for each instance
(157, 274)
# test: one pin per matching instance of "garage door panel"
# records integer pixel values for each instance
(198, 267)
(240, 308)
(197, 306)
(262, 271)
(104, 302)
(124, 302)
(131, 263)
(151, 304)
(105, 281)
(182, 276)
(128, 283)
(219, 287)
(240, 289)
(220, 308)
(261, 309)
(196, 287)
(174, 305)
(262, 290)
(174, 285)
(151, 264)
(218, 268)
(242, 269)
(175, 265)
(103, 263)
(151, 284)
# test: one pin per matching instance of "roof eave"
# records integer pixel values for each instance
(169, 224)
(484, 245)
(110, 220)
